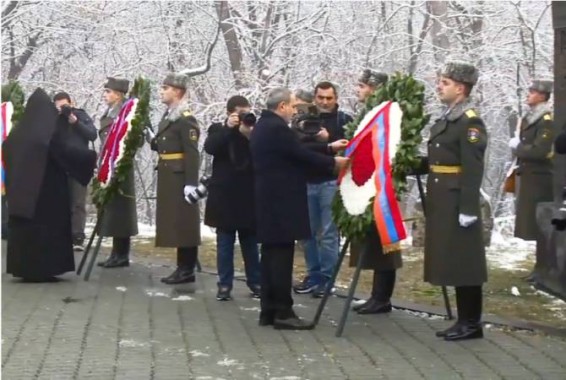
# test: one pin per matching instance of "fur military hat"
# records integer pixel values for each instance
(176, 80)
(461, 72)
(544, 86)
(373, 78)
(120, 85)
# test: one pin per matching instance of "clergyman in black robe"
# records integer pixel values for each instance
(39, 156)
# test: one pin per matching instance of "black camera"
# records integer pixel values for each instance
(200, 192)
(248, 119)
(66, 110)
(307, 121)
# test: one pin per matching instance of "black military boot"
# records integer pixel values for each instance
(382, 289)
(288, 320)
(121, 258)
(460, 307)
(185, 272)
(469, 314)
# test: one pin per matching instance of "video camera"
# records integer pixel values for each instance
(307, 120)
(200, 192)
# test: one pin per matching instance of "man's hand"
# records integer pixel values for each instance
(233, 120)
(514, 142)
(466, 220)
(340, 163)
(72, 118)
(322, 136)
(338, 145)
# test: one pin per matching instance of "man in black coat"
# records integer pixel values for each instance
(82, 131)
(230, 202)
(280, 162)
(40, 156)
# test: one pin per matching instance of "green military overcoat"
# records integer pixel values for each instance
(455, 255)
(120, 216)
(177, 221)
(535, 169)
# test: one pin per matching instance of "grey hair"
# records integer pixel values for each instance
(304, 95)
(276, 96)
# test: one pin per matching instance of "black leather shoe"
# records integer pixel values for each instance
(375, 307)
(449, 330)
(117, 262)
(465, 332)
(266, 318)
(358, 307)
(293, 323)
(109, 258)
(180, 276)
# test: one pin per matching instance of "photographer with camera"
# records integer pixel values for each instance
(230, 204)
(82, 131)
(321, 129)
(178, 186)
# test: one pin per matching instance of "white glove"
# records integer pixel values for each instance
(466, 220)
(514, 142)
(187, 190)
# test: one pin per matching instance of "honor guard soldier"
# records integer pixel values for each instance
(120, 219)
(533, 149)
(178, 216)
(454, 249)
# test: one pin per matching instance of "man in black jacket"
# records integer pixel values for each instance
(279, 162)
(83, 131)
(321, 249)
(230, 202)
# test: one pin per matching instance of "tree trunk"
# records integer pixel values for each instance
(231, 39)
(440, 41)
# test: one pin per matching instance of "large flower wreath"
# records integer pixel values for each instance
(12, 108)
(123, 140)
(383, 149)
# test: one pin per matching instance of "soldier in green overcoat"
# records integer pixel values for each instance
(384, 265)
(119, 219)
(533, 149)
(177, 215)
(454, 252)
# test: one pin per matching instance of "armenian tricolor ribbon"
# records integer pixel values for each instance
(5, 126)
(370, 156)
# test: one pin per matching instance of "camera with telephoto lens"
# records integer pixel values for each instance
(200, 192)
(248, 119)
(66, 110)
(307, 120)
(559, 219)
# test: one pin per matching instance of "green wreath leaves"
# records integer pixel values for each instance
(13, 92)
(409, 93)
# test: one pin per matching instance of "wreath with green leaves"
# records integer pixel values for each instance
(13, 92)
(105, 190)
(409, 94)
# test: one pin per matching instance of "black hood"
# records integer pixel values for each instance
(25, 152)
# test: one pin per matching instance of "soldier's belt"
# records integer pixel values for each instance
(171, 156)
(445, 169)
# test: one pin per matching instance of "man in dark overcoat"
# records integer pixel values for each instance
(280, 164)
(177, 217)
(454, 249)
(119, 219)
(533, 149)
(230, 203)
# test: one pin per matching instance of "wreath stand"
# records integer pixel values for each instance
(356, 278)
(96, 250)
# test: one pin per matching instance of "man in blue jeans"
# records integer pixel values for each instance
(230, 204)
(321, 250)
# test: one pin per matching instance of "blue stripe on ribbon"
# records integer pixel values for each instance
(382, 194)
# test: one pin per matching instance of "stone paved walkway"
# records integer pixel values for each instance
(125, 324)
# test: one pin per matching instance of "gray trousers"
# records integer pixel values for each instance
(78, 209)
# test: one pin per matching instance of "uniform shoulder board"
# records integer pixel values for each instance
(548, 117)
(471, 114)
(187, 113)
